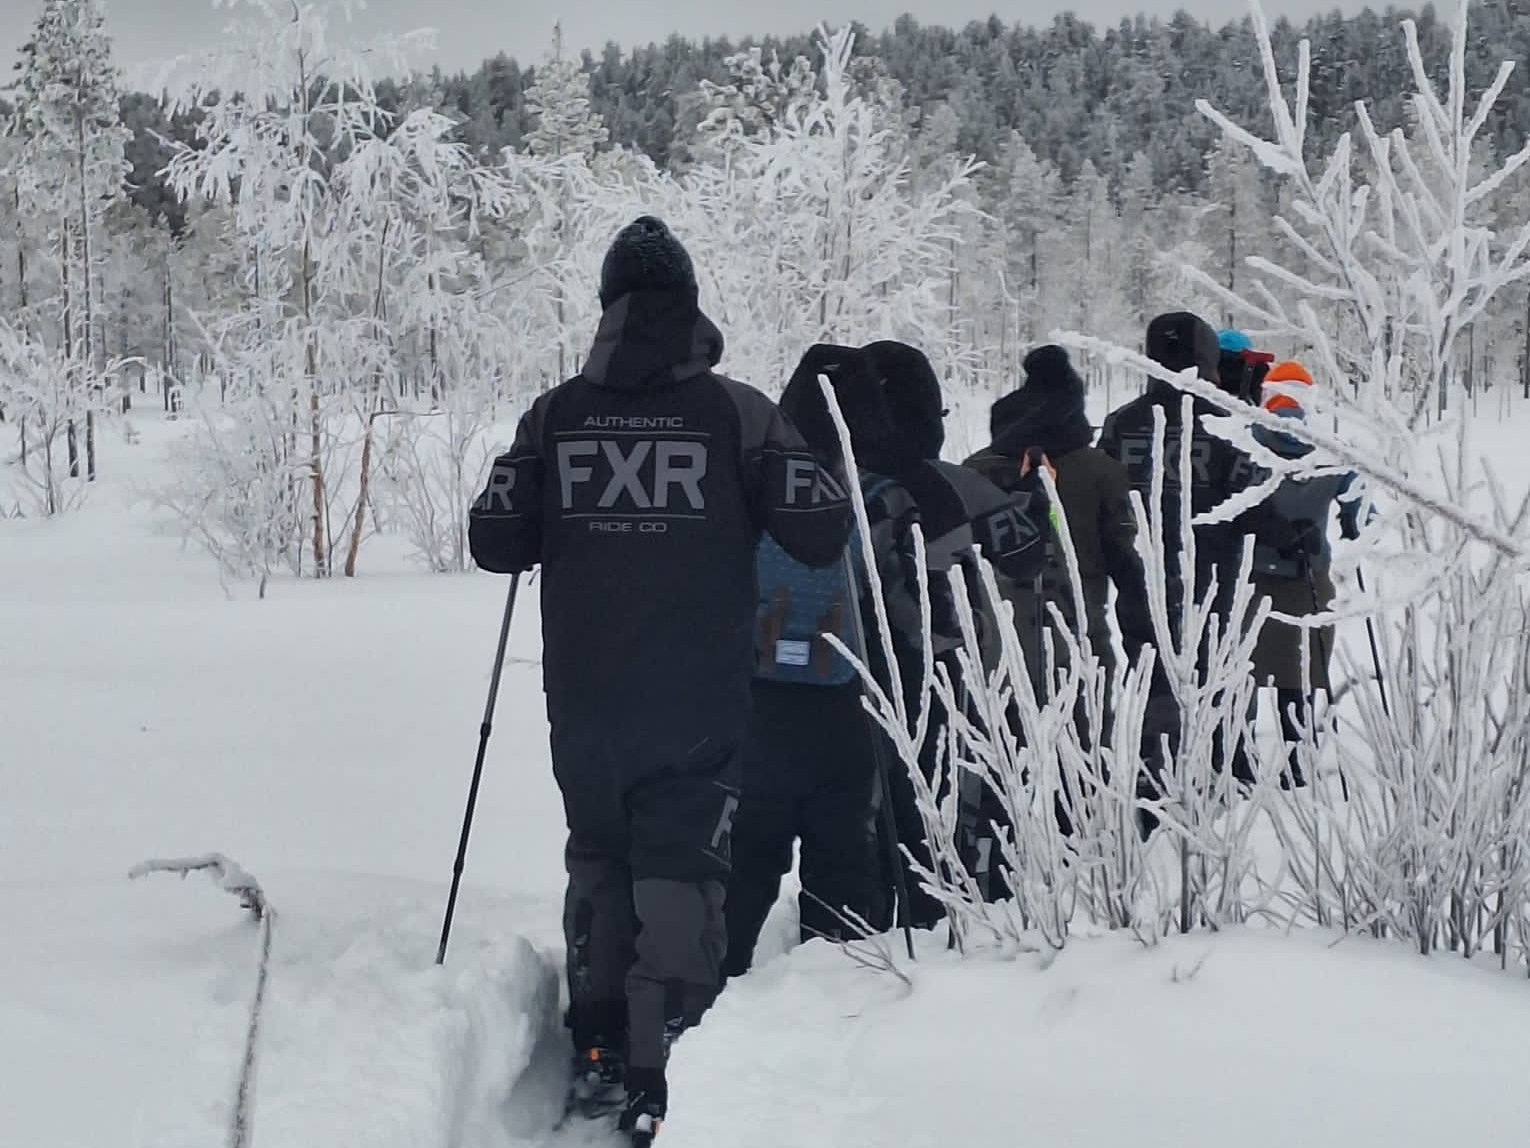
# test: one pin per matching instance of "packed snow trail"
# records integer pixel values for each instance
(367, 1042)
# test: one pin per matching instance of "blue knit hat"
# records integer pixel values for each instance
(1233, 342)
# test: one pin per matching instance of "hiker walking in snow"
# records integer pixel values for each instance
(1293, 563)
(810, 762)
(959, 510)
(1045, 416)
(1044, 421)
(642, 486)
(1180, 341)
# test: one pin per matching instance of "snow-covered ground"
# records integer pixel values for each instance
(324, 739)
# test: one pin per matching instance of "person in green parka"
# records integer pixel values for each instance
(1046, 415)
(1044, 421)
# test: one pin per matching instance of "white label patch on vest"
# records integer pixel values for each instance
(790, 653)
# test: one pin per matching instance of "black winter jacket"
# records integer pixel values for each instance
(1093, 489)
(959, 509)
(1218, 470)
(641, 486)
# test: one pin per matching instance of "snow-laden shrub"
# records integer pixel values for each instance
(1399, 254)
(1423, 835)
(51, 400)
(434, 464)
(237, 480)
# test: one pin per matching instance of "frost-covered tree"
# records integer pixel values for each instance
(415, 199)
(1095, 246)
(1144, 283)
(561, 145)
(1400, 259)
(47, 394)
(814, 229)
(344, 304)
(1027, 204)
(72, 167)
(1236, 219)
(558, 103)
(345, 222)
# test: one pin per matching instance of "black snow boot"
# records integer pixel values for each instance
(647, 1102)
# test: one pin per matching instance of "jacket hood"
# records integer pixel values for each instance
(914, 403)
(1178, 340)
(859, 393)
(1047, 412)
(650, 339)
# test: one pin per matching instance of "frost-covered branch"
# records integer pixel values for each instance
(233, 878)
(1332, 450)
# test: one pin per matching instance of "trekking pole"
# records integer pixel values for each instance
(1037, 460)
(1322, 653)
(879, 755)
(1370, 633)
(483, 745)
(1038, 671)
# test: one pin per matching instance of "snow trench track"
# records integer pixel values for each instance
(363, 1041)
(369, 1044)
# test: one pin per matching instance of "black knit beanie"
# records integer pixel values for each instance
(645, 256)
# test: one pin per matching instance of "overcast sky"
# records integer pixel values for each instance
(149, 31)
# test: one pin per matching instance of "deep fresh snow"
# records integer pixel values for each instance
(324, 739)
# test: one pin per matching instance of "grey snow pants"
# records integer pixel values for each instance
(648, 865)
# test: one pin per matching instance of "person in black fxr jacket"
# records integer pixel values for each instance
(962, 515)
(1047, 414)
(811, 759)
(1179, 341)
(642, 486)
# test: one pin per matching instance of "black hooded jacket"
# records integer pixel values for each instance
(641, 486)
(959, 509)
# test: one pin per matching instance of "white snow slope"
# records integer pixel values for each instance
(324, 739)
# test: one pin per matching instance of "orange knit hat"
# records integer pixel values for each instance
(1287, 372)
